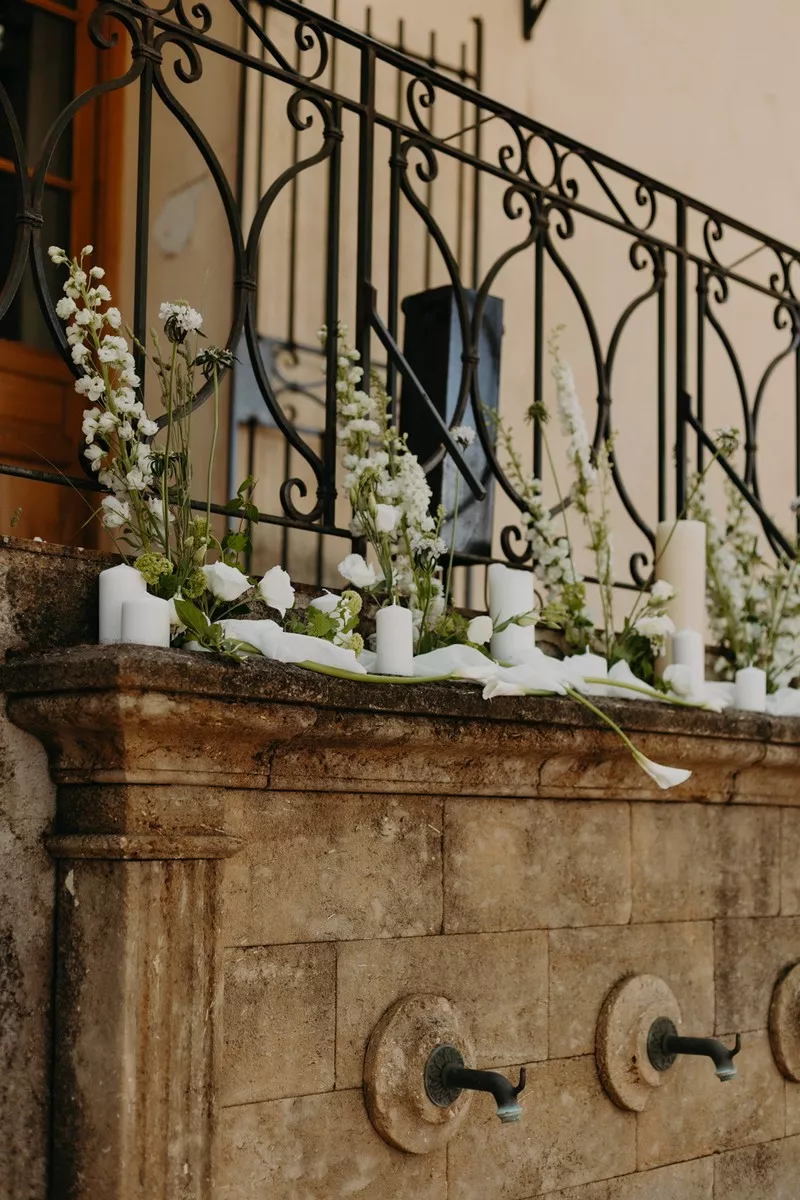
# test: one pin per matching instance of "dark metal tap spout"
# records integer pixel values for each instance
(446, 1077)
(664, 1045)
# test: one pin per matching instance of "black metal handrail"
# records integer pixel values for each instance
(674, 239)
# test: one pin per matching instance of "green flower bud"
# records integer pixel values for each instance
(152, 567)
(194, 585)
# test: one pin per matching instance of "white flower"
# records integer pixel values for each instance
(386, 518)
(276, 589)
(224, 582)
(96, 272)
(83, 316)
(125, 431)
(502, 687)
(479, 630)
(654, 627)
(326, 603)
(680, 679)
(174, 619)
(356, 570)
(80, 353)
(56, 254)
(113, 317)
(107, 422)
(185, 318)
(795, 505)
(115, 512)
(87, 250)
(66, 307)
(93, 455)
(665, 777)
(147, 428)
(462, 435)
(662, 591)
(137, 479)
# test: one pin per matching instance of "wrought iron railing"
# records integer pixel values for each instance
(543, 191)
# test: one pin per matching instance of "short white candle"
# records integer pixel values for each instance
(394, 641)
(681, 561)
(688, 650)
(511, 594)
(145, 621)
(117, 584)
(751, 690)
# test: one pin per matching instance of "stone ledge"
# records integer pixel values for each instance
(141, 715)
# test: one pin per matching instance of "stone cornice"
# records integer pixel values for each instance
(138, 715)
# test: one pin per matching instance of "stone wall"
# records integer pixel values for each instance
(255, 863)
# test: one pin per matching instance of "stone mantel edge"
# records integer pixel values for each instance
(136, 715)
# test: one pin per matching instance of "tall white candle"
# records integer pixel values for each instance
(394, 641)
(751, 689)
(681, 561)
(510, 595)
(145, 621)
(117, 584)
(688, 650)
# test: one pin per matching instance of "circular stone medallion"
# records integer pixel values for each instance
(394, 1073)
(625, 1020)
(784, 1024)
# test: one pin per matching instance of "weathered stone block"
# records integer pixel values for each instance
(321, 868)
(586, 963)
(790, 862)
(683, 1181)
(695, 1114)
(279, 1023)
(694, 862)
(767, 1172)
(528, 865)
(750, 956)
(570, 1134)
(314, 1148)
(498, 981)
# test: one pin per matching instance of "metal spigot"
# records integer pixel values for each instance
(446, 1077)
(664, 1045)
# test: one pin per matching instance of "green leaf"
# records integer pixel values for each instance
(192, 617)
(320, 624)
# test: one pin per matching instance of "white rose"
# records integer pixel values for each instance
(654, 627)
(276, 588)
(479, 630)
(325, 603)
(386, 518)
(224, 582)
(356, 570)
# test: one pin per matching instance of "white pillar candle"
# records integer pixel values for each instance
(510, 595)
(117, 584)
(751, 690)
(145, 621)
(394, 641)
(688, 650)
(681, 562)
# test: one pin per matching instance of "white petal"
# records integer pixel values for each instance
(665, 777)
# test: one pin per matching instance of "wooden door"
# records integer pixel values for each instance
(46, 58)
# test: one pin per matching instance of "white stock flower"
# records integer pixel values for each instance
(113, 317)
(463, 436)
(355, 569)
(662, 591)
(115, 512)
(665, 777)
(386, 518)
(654, 627)
(56, 254)
(224, 582)
(185, 318)
(479, 630)
(66, 307)
(94, 455)
(276, 589)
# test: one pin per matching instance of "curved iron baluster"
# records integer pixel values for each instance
(792, 317)
(659, 276)
(38, 177)
(426, 100)
(224, 190)
(644, 193)
(720, 294)
(332, 135)
(26, 217)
